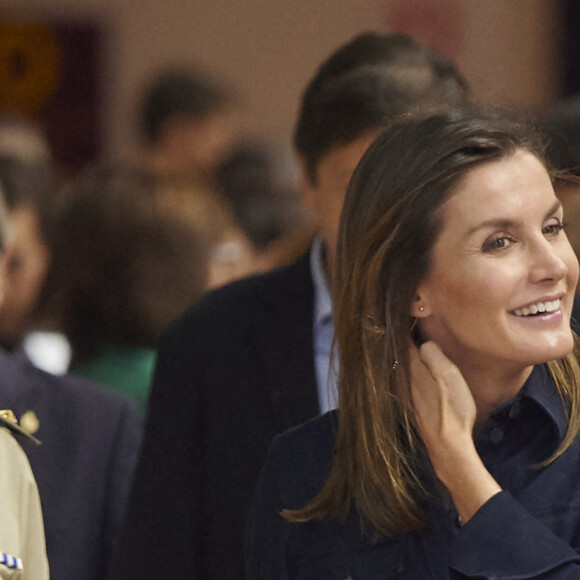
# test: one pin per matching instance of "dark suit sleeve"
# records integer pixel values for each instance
(231, 373)
(161, 537)
(267, 533)
(127, 436)
(503, 540)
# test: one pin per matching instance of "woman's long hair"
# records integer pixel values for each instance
(391, 219)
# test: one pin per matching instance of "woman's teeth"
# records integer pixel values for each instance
(539, 308)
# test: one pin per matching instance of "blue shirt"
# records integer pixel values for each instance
(322, 329)
(529, 530)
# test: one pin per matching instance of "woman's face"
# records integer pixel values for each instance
(503, 274)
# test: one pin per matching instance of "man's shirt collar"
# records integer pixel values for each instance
(322, 298)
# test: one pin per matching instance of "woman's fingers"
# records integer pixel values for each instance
(442, 402)
(444, 412)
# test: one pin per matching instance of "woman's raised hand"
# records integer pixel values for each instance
(443, 406)
(444, 412)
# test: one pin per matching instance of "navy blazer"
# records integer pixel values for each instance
(90, 437)
(529, 530)
(236, 370)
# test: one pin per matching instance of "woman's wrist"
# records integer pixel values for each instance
(469, 483)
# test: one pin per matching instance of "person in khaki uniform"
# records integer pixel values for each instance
(22, 543)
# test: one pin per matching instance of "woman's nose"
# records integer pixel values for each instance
(548, 261)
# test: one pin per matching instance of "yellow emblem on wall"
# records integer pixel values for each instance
(30, 64)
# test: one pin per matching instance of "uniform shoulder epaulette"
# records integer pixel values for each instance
(9, 420)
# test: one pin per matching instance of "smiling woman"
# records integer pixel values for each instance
(500, 258)
(440, 461)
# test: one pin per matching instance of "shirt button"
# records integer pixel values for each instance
(496, 435)
(515, 411)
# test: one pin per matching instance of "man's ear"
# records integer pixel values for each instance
(306, 186)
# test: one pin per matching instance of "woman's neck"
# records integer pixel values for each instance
(492, 387)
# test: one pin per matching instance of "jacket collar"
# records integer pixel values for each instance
(541, 388)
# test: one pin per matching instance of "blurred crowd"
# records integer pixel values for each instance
(100, 263)
(96, 266)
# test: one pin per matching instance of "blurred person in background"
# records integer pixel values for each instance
(89, 434)
(28, 190)
(124, 261)
(29, 183)
(271, 214)
(30, 176)
(22, 538)
(120, 271)
(231, 254)
(187, 121)
(252, 359)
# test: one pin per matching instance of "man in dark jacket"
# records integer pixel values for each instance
(90, 438)
(251, 359)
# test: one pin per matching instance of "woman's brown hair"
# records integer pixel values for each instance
(391, 219)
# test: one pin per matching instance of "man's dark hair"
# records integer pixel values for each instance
(180, 92)
(368, 81)
(561, 129)
(262, 206)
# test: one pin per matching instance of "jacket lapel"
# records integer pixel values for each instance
(284, 344)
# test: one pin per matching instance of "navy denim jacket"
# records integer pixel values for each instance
(529, 530)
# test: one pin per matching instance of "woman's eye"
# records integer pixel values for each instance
(554, 229)
(495, 243)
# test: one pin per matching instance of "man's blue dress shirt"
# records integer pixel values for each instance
(322, 330)
(529, 530)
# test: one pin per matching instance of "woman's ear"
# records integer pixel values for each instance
(420, 308)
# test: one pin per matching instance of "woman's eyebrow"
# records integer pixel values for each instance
(495, 224)
(507, 223)
(555, 207)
